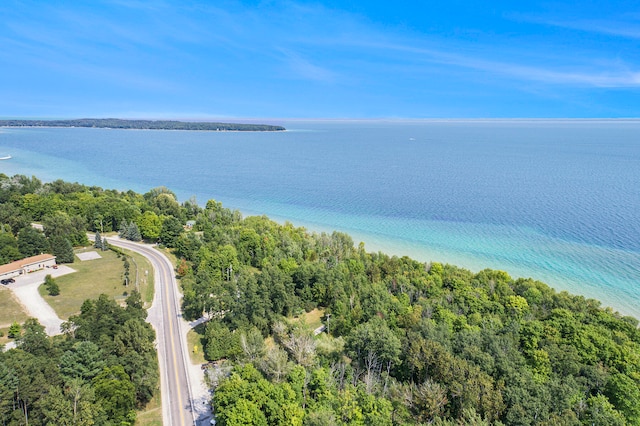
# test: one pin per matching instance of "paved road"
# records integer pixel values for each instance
(165, 317)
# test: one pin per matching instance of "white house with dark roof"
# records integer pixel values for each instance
(24, 266)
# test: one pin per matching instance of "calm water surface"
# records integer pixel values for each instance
(558, 201)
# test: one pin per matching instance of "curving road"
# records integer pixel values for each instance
(165, 317)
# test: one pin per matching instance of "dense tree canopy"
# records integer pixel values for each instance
(406, 342)
(103, 368)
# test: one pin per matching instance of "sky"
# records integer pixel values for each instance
(205, 60)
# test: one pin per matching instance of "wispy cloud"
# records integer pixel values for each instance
(302, 68)
(258, 54)
(624, 25)
(363, 42)
(595, 73)
(615, 28)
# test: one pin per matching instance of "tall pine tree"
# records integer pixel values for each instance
(61, 249)
(133, 232)
(98, 240)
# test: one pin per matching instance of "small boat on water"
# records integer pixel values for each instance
(5, 157)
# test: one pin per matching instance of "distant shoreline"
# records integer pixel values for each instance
(115, 123)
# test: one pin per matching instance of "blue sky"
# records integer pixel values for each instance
(324, 59)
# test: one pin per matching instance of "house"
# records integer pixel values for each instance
(24, 266)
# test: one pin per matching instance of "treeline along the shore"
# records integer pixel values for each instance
(115, 123)
(405, 342)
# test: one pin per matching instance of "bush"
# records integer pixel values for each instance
(14, 331)
(51, 285)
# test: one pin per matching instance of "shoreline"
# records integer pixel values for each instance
(394, 246)
(607, 275)
(416, 249)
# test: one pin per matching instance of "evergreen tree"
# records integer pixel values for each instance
(98, 240)
(32, 242)
(133, 232)
(123, 231)
(171, 230)
(62, 249)
(105, 244)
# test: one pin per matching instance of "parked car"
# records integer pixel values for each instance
(8, 281)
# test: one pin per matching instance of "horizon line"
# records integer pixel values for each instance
(225, 119)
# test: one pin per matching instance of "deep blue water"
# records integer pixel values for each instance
(555, 200)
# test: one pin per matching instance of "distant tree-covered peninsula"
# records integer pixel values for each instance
(115, 123)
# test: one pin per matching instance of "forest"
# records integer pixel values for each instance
(115, 123)
(404, 342)
(98, 372)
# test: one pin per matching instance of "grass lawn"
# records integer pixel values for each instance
(98, 276)
(10, 310)
(141, 274)
(194, 338)
(152, 413)
(312, 319)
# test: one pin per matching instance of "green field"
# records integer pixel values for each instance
(10, 311)
(142, 277)
(312, 319)
(98, 276)
(151, 415)
(194, 339)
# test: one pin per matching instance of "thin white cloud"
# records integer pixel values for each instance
(302, 68)
(364, 42)
(620, 29)
(274, 45)
(603, 74)
(145, 6)
(627, 26)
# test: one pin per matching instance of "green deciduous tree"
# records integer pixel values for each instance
(34, 339)
(150, 225)
(57, 409)
(14, 330)
(624, 393)
(116, 394)
(61, 225)
(602, 413)
(374, 345)
(8, 246)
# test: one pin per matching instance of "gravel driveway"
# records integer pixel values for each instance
(26, 290)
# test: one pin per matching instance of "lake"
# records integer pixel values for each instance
(556, 200)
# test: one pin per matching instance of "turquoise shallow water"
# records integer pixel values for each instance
(555, 200)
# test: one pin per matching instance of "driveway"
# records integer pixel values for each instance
(26, 290)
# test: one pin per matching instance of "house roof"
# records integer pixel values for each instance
(18, 264)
